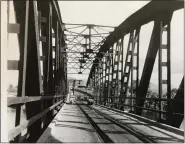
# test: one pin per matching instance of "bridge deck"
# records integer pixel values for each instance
(158, 134)
(69, 125)
(72, 125)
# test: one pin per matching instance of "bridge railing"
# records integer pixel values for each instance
(112, 105)
(111, 73)
(41, 67)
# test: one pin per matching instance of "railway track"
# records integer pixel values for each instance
(109, 129)
(79, 122)
(148, 130)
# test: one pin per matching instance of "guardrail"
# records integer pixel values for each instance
(160, 125)
(23, 100)
(18, 129)
(42, 75)
(128, 105)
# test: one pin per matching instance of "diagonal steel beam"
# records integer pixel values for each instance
(148, 66)
(178, 107)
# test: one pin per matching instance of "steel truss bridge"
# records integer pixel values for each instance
(50, 50)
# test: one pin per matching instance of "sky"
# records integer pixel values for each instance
(113, 13)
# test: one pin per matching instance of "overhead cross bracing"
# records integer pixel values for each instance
(83, 42)
(118, 104)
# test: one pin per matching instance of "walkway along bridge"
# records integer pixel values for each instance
(49, 49)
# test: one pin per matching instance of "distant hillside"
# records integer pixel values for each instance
(155, 88)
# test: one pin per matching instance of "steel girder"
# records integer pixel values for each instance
(152, 11)
(37, 19)
(82, 43)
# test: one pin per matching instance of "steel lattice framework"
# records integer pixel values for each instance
(82, 43)
(50, 49)
(42, 67)
(111, 82)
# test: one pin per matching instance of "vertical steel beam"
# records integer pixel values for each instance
(32, 85)
(160, 72)
(101, 79)
(131, 75)
(121, 88)
(109, 73)
(137, 75)
(167, 65)
(106, 82)
(148, 66)
(36, 24)
(44, 13)
(135, 40)
(25, 48)
(126, 73)
(56, 78)
(89, 37)
(23, 20)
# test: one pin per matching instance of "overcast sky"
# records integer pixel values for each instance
(115, 12)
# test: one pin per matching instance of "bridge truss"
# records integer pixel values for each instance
(42, 67)
(50, 49)
(110, 75)
(82, 43)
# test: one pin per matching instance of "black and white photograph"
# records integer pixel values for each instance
(92, 71)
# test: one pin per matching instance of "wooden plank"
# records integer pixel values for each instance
(13, 65)
(26, 99)
(17, 130)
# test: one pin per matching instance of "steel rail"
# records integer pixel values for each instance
(160, 125)
(133, 132)
(98, 130)
(90, 94)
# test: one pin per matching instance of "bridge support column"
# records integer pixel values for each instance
(148, 67)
